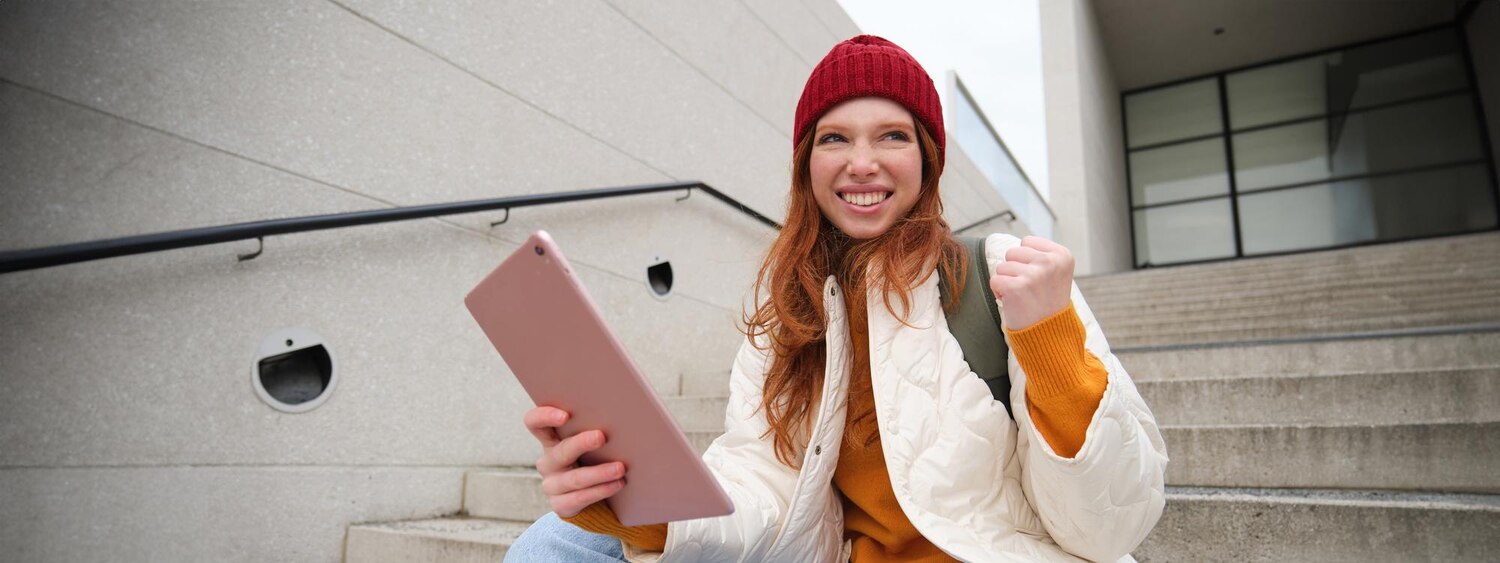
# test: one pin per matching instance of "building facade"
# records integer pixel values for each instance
(1228, 131)
(135, 419)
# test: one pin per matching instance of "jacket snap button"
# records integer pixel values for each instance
(817, 450)
(833, 291)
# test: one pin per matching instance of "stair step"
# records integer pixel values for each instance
(1375, 352)
(1449, 456)
(1199, 524)
(445, 540)
(1203, 524)
(1393, 259)
(505, 494)
(515, 493)
(698, 412)
(1481, 303)
(1453, 395)
(1301, 285)
(1179, 334)
(715, 382)
(1459, 254)
(1476, 273)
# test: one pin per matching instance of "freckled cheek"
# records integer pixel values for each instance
(910, 175)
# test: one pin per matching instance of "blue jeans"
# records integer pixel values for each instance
(551, 539)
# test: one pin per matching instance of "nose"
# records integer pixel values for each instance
(862, 162)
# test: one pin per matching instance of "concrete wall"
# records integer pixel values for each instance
(128, 426)
(1483, 30)
(1084, 147)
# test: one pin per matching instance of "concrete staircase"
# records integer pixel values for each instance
(1335, 406)
(499, 504)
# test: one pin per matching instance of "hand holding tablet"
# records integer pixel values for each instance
(604, 432)
(570, 488)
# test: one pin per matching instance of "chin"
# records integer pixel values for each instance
(865, 232)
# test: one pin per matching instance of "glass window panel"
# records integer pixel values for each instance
(1278, 93)
(1172, 113)
(1280, 156)
(1350, 79)
(1435, 202)
(1181, 233)
(1397, 70)
(1178, 172)
(1438, 131)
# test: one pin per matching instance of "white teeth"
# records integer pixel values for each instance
(865, 199)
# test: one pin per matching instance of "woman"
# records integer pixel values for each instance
(855, 430)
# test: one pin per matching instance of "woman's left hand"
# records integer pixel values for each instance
(1034, 282)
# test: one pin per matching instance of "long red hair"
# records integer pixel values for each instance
(789, 321)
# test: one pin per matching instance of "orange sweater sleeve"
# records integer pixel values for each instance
(599, 519)
(1064, 381)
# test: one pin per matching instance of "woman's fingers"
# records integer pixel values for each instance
(570, 504)
(1022, 254)
(1043, 244)
(580, 478)
(543, 423)
(565, 453)
(1010, 269)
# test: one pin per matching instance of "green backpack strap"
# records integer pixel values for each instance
(976, 325)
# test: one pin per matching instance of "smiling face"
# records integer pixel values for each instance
(865, 166)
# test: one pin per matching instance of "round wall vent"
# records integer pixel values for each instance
(293, 370)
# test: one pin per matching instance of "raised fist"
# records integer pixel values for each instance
(1034, 282)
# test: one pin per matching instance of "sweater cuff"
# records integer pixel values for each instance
(1054, 358)
(1064, 381)
(599, 519)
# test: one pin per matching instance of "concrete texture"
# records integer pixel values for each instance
(1452, 395)
(208, 513)
(1334, 526)
(698, 413)
(712, 38)
(414, 366)
(513, 493)
(1403, 455)
(1390, 353)
(1426, 283)
(798, 25)
(439, 540)
(714, 250)
(635, 95)
(712, 382)
(309, 88)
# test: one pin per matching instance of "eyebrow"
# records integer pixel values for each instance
(881, 125)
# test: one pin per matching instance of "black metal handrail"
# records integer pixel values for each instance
(1005, 213)
(31, 259)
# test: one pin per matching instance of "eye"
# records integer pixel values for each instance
(898, 135)
(831, 137)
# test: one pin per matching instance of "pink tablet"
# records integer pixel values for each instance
(537, 314)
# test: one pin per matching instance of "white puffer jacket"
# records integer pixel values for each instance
(978, 485)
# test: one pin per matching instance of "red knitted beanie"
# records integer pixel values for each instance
(866, 65)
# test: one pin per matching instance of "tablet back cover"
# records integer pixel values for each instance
(551, 335)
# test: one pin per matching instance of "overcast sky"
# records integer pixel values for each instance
(994, 45)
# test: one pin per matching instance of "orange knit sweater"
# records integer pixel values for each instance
(1064, 386)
